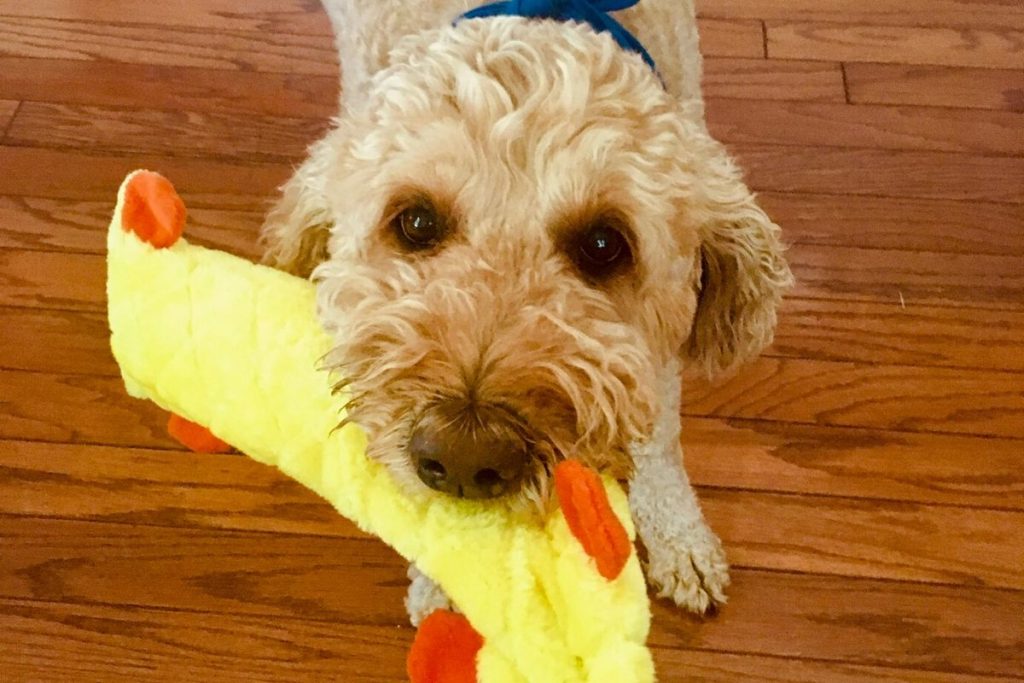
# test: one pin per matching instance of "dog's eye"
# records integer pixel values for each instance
(602, 250)
(419, 227)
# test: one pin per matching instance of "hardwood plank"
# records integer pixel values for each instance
(69, 342)
(275, 52)
(7, 109)
(176, 488)
(186, 134)
(913, 399)
(911, 12)
(990, 47)
(807, 219)
(941, 86)
(112, 84)
(865, 538)
(59, 642)
(870, 538)
(78, 409)
(73, 175)
(840, 125)
(889, 334)
(934, 225)
(863, 621)
(772, 79)
(42, 279)
(52, 280)
(206, 570)
(72, 225)
(731, 38)
(678, 665)
(859, 621)
(270, 16)
(75, 342)
(854, 463)
(160, 488)
(907, 278)
(883, 173)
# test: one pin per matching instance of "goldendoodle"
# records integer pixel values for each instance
(522, 236)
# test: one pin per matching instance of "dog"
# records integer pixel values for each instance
(523, 237)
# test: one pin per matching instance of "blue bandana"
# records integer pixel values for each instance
(593, 12)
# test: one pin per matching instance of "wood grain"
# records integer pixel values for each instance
(907, 278)
(168, 133)
(68, 174)
(80, 226)
(70, 342)
(725, 667)
(854, 462)
(866, 538)
(909, 12)
(885, 397)
(78, 409)
(731, 38)
(887, 333)
(52, 280)
(118, 84)
(883, 173)
(274, 52)
(772, 79)
(59, 642)
(289, 576)
(721, 453)
(159, 488)
(43, 279)
(840, 125)
(869, 538)
(933, 225)
(988, 47)
(859, 621)
(205, 570)
(269, 16)
(818, 219)
(941, 86)
(7, 109)
(75, 342)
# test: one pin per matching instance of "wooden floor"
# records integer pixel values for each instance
(866, 475)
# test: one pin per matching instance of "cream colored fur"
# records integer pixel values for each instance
(515, 127)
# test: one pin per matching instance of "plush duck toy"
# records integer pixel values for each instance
(231, 349)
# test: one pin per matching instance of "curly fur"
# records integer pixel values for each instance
(519, 130)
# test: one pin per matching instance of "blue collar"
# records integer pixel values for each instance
(593, 12)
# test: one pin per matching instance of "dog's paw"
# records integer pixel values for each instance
(690, 570)
(424, 596)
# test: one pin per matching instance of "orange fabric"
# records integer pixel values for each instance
(153, 210)
(195, 437)
(590, 517)
(444, 650)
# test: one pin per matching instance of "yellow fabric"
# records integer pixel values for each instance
(234, 346)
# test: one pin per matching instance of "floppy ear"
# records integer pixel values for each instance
(295, 232)
(743, 274)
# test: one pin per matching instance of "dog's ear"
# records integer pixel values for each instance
(743, 273)
(295, 232)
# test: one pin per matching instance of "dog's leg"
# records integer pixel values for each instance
(685, 560)
(424, 596)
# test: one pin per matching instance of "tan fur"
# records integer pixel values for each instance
(517, 128)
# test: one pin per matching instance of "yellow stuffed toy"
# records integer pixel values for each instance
(233, 346)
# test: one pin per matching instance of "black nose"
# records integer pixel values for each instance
(468, 451)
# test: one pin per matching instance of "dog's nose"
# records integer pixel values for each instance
(468, 453)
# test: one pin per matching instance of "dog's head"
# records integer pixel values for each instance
(527, 233)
